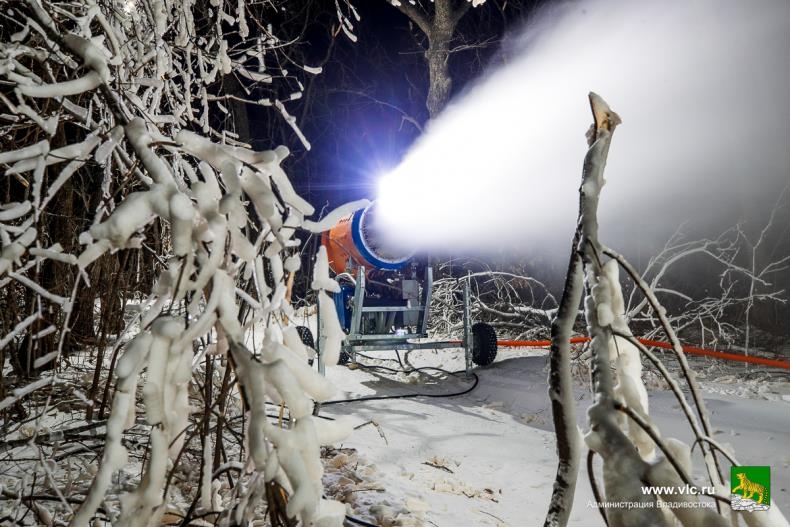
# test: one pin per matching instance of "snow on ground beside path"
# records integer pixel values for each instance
(470, 463)
(483, 458)
(488, 458)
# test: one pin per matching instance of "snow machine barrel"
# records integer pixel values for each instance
(355, 242)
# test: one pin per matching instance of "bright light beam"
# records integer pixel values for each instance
(701, 87)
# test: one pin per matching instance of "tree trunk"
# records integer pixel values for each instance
(439, 81)
(238, 109)
(439, 29)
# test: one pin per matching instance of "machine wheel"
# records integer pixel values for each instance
(484, 345)
(344, 358)
(306, 335)
(307, 339)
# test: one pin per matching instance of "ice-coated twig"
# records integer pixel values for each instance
(563, 405)
(623, 467)
(653, 433)
(714, 471)
(112, 92)
(671, 381)
(626, 442)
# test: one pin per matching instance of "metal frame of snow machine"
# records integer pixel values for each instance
(399, 320)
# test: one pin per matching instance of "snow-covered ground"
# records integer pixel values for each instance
(487, 457)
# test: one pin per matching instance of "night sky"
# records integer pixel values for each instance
(353, 114)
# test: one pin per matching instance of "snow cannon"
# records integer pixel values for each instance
(384, 300)
(355, 242)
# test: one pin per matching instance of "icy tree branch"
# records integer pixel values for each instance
(621, 431)
(119, 104)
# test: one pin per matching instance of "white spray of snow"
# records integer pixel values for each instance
(702, 86)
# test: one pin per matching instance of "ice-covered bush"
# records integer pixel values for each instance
(621, 432)
(129, 94)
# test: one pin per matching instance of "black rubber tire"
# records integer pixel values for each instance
(484, 344)
(307, 339)
(306, 335)
(344, 358)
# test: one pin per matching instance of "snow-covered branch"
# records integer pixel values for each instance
(518, 303)
(620, 428)
(112, 118)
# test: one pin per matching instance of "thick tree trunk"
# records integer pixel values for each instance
(439, 81)
(439, 29)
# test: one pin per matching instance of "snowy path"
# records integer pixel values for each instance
(496, 444)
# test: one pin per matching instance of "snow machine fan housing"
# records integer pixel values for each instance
(355, 242)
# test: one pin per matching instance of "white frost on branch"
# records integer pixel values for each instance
(331, 219)
(630, 388)
(114, 92)
(332, 335)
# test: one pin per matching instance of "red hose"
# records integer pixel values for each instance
(692, 350)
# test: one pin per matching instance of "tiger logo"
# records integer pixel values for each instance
(749, 488)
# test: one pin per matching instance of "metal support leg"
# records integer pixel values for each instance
(319, 339)
(467, 329)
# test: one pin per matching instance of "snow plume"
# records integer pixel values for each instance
(702, 85)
